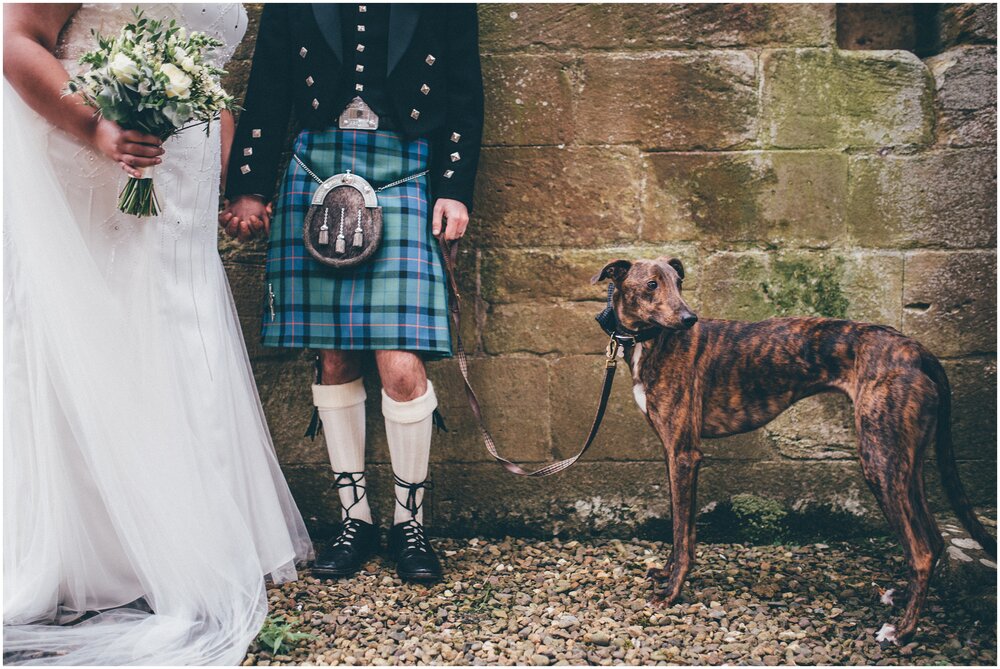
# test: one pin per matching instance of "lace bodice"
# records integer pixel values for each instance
(225, 21)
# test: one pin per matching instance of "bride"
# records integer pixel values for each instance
(143, 502)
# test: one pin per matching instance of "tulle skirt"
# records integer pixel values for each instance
(137, 462)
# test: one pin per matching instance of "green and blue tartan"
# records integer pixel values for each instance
(397, 300)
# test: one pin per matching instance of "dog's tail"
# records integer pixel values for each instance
(946, 459)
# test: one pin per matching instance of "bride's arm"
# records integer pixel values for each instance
(228, 128)
(30, 32)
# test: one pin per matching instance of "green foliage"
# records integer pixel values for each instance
(481, 602)
(279, 636)
(801, 289)
(153, 76)
(760, 520)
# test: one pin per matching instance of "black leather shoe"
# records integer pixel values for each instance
(346, 554)
(415, 559)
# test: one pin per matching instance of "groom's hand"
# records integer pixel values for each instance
(453, 215)
(245, 216)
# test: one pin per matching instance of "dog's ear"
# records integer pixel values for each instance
(614, 270)
(677, 265)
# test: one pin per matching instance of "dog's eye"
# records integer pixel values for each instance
(651, 285)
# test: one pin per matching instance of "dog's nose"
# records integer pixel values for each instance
(688, 319)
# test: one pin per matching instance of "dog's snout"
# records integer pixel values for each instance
(688, 319)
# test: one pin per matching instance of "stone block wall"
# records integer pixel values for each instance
(791, 176)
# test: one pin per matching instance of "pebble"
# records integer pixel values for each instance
(580, 603)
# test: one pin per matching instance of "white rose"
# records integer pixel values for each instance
(124, 69)
(178, 84)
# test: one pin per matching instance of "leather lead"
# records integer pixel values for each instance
(449, 252)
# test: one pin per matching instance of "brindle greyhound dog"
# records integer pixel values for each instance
(698, 378)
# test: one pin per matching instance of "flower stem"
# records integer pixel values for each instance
(138, 198)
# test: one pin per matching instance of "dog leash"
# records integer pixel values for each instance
(449, 251)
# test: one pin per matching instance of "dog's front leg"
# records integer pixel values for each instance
(683, 458)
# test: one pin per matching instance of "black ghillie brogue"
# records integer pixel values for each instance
(408, 545)
(357, 540)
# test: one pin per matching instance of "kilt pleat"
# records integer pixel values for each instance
(396, 301)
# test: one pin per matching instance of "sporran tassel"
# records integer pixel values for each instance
(341, 246)
(359, 233)
(324, 230)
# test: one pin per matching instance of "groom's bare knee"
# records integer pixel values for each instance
(340, 366)
(402, 373)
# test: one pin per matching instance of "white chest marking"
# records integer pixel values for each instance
(638, 390)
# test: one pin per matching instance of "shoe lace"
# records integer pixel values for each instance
(413, 531)
(348, 532)
(414, 537)
(351, 480)
(410, 503)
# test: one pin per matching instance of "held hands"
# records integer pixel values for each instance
(456, 218)
(245, 217)
(249, 215)
(131, 149)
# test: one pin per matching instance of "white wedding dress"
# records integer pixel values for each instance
(137, 462)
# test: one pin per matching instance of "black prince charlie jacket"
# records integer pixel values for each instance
(434, 88)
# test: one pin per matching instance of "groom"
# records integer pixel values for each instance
(373, 87)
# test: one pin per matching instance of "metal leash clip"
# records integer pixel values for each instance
(612, 353)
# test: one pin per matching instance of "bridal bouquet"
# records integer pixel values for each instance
(152, 77)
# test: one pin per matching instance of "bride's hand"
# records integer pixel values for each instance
(131, 149)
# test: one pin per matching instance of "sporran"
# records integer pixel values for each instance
(343, 226)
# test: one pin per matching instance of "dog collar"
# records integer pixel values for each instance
(623, 335)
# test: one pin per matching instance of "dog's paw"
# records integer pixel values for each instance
(887, 635)
(660, 602)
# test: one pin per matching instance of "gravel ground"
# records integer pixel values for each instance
(534, 602)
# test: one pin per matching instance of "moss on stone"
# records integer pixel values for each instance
(759, 520)
(821, 97)
(762, 520)
(798, 287)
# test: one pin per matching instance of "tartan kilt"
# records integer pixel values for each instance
(395, 301)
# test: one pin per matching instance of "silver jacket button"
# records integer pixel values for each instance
(245, 169)
(302, 52)
(455, 137)
(255, 133)
(310, 81)
(455, 157)
(448, 173)
(248, 151)
(430, 59)
(315, 103)
(414, 114)
(425, 89)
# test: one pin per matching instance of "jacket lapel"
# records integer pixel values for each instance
(327, 16)
(403, 19)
